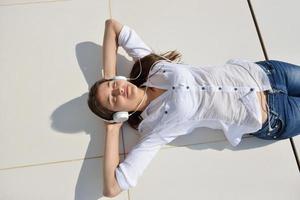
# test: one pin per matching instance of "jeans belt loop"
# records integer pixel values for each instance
(269, 64)
(266, 69)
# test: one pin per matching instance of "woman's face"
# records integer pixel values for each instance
(119, 95)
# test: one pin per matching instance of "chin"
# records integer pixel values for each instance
(132, 90)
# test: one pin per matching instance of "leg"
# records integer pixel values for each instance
(290, 74)
(292, 117)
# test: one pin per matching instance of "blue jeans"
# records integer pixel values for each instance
(284, 102)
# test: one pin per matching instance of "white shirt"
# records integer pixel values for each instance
(218, 97)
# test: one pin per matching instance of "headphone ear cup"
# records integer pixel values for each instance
(120, 78)
(120, 116)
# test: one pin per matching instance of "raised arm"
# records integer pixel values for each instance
(111, 160)
(117, 34)
(110, 47)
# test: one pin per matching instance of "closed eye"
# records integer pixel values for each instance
(113, 86)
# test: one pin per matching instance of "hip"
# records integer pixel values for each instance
(262, 97)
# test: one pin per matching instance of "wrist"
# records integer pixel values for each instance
(112, 127)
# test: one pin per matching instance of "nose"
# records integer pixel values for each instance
(118, 91)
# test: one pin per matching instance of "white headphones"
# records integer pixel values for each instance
(123, 116)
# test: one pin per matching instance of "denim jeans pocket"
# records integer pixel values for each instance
(280, 129)
(277, 128)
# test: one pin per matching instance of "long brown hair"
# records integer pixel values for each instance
(146, 62)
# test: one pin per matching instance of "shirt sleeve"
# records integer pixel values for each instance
(132, 43)
(128, 172)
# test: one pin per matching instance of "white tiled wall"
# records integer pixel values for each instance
(279, 26)
(217, 171)
(79, 179)
(20, 2)
(206, 32)
(51, 145)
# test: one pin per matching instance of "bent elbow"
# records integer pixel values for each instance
(110, 22)
(105, 193)
(108, 194)
(112, 192)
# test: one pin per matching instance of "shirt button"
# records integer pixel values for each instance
(220, 88)
(166, 112)
(173, 87)
(187, 87)
(203, 88)
(251, 89)
(235, 88)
